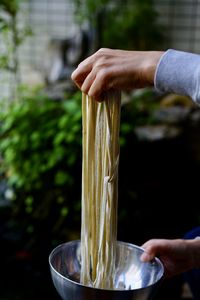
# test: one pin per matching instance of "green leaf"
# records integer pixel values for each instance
(59, 138)
(64, 211)
(64, 121)
(62, 178)
(29, 201)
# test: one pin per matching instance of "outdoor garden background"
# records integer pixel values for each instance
(41, 43)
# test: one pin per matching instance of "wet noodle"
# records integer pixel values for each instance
(99, 189)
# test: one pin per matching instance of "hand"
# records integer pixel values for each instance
(176, 255)
(116, 69)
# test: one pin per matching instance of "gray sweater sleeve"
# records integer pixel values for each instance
(179, 72)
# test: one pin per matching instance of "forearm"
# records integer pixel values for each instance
(179, 72)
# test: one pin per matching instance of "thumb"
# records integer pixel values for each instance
(146, 256)
(151, 249)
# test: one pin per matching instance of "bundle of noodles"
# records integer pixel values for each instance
(99, 189)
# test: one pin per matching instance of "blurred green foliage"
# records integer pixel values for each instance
(36, 135)
(122, 24)
(41, 157)
(10, 6)
(137, 112)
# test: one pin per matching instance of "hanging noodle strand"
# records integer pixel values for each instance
(100, 161)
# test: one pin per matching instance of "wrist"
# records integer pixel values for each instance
(153, 58)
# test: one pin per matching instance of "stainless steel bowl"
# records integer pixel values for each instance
(134, 280)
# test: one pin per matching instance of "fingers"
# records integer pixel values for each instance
(86, 85)
(82, 71)
(94, 83)
(91, 76)
(79, 75)
(152, 248)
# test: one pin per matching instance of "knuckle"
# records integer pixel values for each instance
(103, 50)
(102, 54)
(102, 76)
